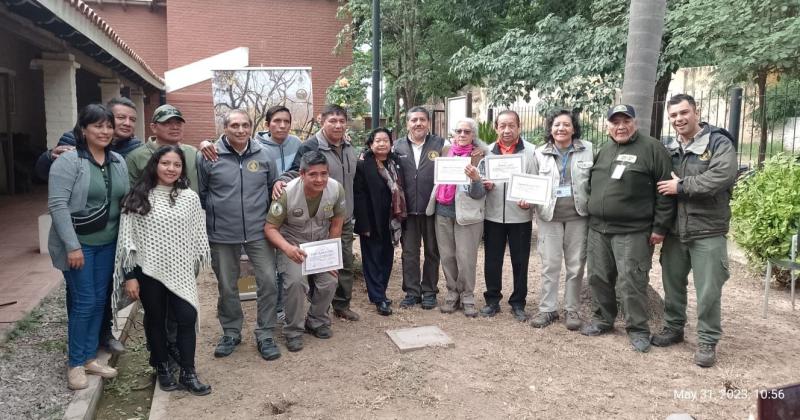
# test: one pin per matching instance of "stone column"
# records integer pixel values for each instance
(137, 96)
(60, 93)
(109, 88)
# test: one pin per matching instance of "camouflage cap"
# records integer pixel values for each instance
(165, 112)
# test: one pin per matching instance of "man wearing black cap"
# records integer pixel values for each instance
(627, 219)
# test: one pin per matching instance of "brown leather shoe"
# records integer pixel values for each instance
(347, 314)
(93, 367)
(76, 378)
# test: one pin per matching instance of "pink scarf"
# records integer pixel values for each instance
(446, 193)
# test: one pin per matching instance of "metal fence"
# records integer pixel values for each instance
(738, 110)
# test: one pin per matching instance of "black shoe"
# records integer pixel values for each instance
(592, 329)
(519, 313)
(491, 309)
(268, 349)
(226, 346)
(323, 331)
(706, 355)
(165, 379)
(429, 302)
(640, 344)
(112, 345)
(667, 337)
(384, 308)
(294, 344)
(410, 301)
(347, 314)
(191, 383)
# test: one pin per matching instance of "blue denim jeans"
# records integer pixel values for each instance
(87, 291)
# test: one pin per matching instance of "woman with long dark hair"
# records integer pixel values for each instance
(381, 210)
(162, 246)
(84, 192)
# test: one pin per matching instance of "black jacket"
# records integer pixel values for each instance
(373, 198)
(418, 182)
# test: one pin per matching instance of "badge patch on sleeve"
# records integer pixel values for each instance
(277, 209)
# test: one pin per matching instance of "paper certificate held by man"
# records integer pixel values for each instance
(500, 168)
(450, 170)
(322, 256)
(534, 189)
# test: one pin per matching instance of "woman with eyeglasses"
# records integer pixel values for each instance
(563, 223)
(459, 211)
(84, 191)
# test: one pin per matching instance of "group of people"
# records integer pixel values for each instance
(139, 220)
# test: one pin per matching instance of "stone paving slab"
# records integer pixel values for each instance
(409, 339)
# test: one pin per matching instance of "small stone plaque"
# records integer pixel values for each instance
(409, 339)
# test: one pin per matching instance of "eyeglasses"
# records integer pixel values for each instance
(463, 131)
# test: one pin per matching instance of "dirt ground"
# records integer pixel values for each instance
(499, 368)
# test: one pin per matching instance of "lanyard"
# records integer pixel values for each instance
(564, 162)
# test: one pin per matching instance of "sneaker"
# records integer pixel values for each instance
(706, 355)
(410, 301)
(490, 310)
(428, 302)
(294, 344)
(593, 329)
(268, 349)
(640, 344)
(76, 378)
(323, 331)
(93, 367)
(226, 346)
(519, 314)
(573, 321)
(667, 337)
(347, 314)
(449, 307)
(470, 311)
(543, 319)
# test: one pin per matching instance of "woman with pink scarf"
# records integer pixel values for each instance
(459, 211)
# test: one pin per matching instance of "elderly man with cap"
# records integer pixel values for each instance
(627, 218)
(167, 125)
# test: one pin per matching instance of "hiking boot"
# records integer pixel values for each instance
(226, 346)
(640, 344)
(519, 313)
(165, 379)
(268, 349)
(93, 367)
(449, 307)
(572, 321)
(294, 344)
(543, 319)
(347, 314)
(490, 310)
(706, 355)
(410, 301)
(667, 337)
(191, 382)
(76, 378)
(428, 302)
(470, 311)
(593, 329)
(323, 331)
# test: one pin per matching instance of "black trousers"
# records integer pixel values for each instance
(495, 237)
(157, 300)
(377, 256)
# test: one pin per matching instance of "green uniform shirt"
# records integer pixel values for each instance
(277, 214)
(98, 179)
(137, 160)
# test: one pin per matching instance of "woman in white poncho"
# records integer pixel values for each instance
(161, 247)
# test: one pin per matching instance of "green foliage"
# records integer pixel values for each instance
(25, 325)
(350, 90)
(766, 209)
(486, 132)
(783, 102)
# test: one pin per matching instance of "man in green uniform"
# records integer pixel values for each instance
(627, 219)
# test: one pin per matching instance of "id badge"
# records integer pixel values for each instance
(564, 191)
(617, 174)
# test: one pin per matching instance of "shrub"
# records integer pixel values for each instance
(766, 209)
(486, 132)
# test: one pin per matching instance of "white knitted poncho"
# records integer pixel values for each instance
(169, 244)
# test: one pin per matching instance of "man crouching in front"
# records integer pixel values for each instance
(312, 208)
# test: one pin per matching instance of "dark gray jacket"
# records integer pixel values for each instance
(235, 192)
(707, 169)
(418, 182)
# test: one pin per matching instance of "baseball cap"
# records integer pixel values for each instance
(165, 112)
(621, 109)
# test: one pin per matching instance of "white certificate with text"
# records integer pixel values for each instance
(500, 168)
(534, 189)
(450, 170)
(322, 256)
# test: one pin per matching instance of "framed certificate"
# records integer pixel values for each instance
(499, 168)
(535, 189)
(322, 256)
(450, 170)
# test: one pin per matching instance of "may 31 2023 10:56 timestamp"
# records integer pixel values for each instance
(727, 394)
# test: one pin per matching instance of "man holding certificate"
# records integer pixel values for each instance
(627, 218)
(311, 209)
(506, 222)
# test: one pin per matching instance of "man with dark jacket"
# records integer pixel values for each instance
(235, 193)
(416, 154)
(341, 158)
(704, 170)
(627, 218)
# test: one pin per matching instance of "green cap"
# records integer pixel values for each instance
(165, 112)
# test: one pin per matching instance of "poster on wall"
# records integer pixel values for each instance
(257, 89)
